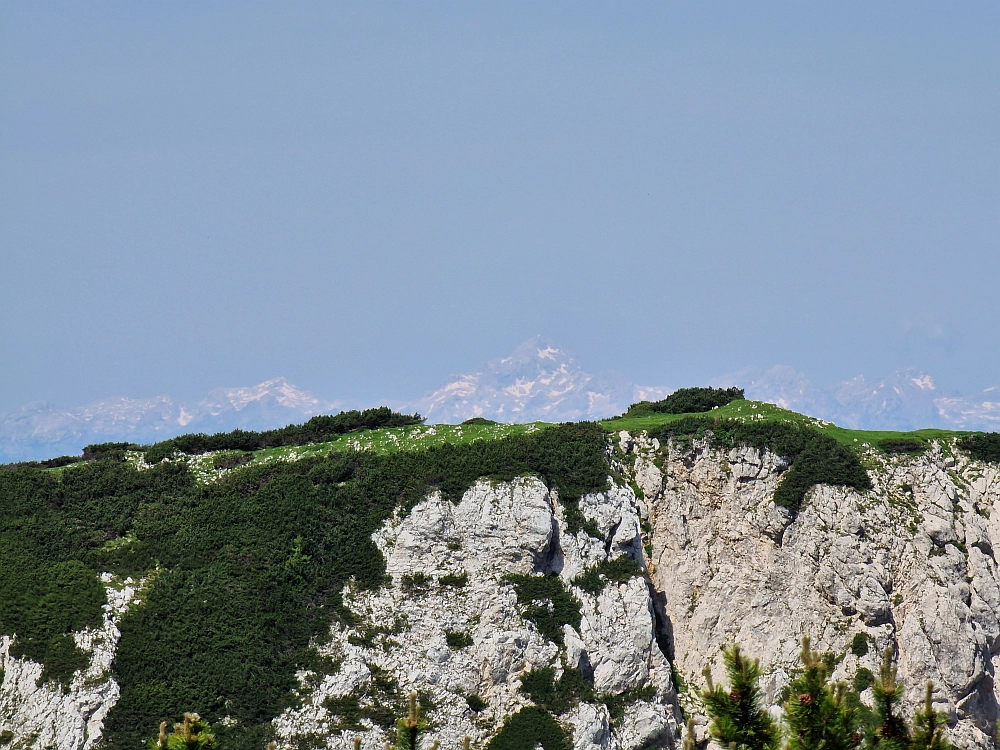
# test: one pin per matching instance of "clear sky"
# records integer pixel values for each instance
(365, 197)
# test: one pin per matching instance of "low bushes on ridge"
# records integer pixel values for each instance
(316, 430)
(687, 401)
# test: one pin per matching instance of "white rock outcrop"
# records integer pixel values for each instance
(498, 529)
(45, 715)
(909, 564)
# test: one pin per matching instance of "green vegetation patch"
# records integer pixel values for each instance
(910, 445)
(815, 458)
(863, 679)
(618, 703)
(54, 535)
(619, 570)
(575, 521)
(248, 568)
(983, 447)
(758, 411)
(415, 584)
(454, 580)
(457, 639)
(529, 728)
(476, 703)
(686, 401)
(546, 603)
(556, 696)
(380, 702)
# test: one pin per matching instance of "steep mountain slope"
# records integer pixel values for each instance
(909, 564)
(590, 573)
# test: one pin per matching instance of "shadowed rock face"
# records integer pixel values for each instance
(910, 565)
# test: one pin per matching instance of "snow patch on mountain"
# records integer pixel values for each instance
(537, 382)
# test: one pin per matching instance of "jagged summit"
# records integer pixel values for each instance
(538, 381)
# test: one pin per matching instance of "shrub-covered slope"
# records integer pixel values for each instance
(247, 569)
(245, 550)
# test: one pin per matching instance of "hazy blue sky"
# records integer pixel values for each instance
(365, 197)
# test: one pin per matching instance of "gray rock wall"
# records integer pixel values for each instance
(909, 564)
(497, 529)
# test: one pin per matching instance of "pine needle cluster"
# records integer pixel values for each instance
(191, 734)
(739, 720)
(817, 712)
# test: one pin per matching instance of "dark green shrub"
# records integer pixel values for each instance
(618, 703)
(231, 460)
(415, 584)
(619, 570)
(457, 639)
(54, 463)
(476, 704)
(46, 589)
(479, 420)
(863, 679)
(556, 696)
(454, 580)
(912, 446)
(546, 603)
(738, 713)
(380, 702)
(687, 401)
(540, 685)
(347, 709)
(249, 567)
(859, 645)
(107, 451)
(575, 521)
(316, 430)
(528, 728)
(983, 447)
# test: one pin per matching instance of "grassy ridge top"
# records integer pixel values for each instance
(387, 441)
(416, 437)
(761, 411)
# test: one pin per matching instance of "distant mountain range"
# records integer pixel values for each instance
(905, 400)
(41, 430)
(538, 381)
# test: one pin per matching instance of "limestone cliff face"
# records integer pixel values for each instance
(910, 564)
(496, 530)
